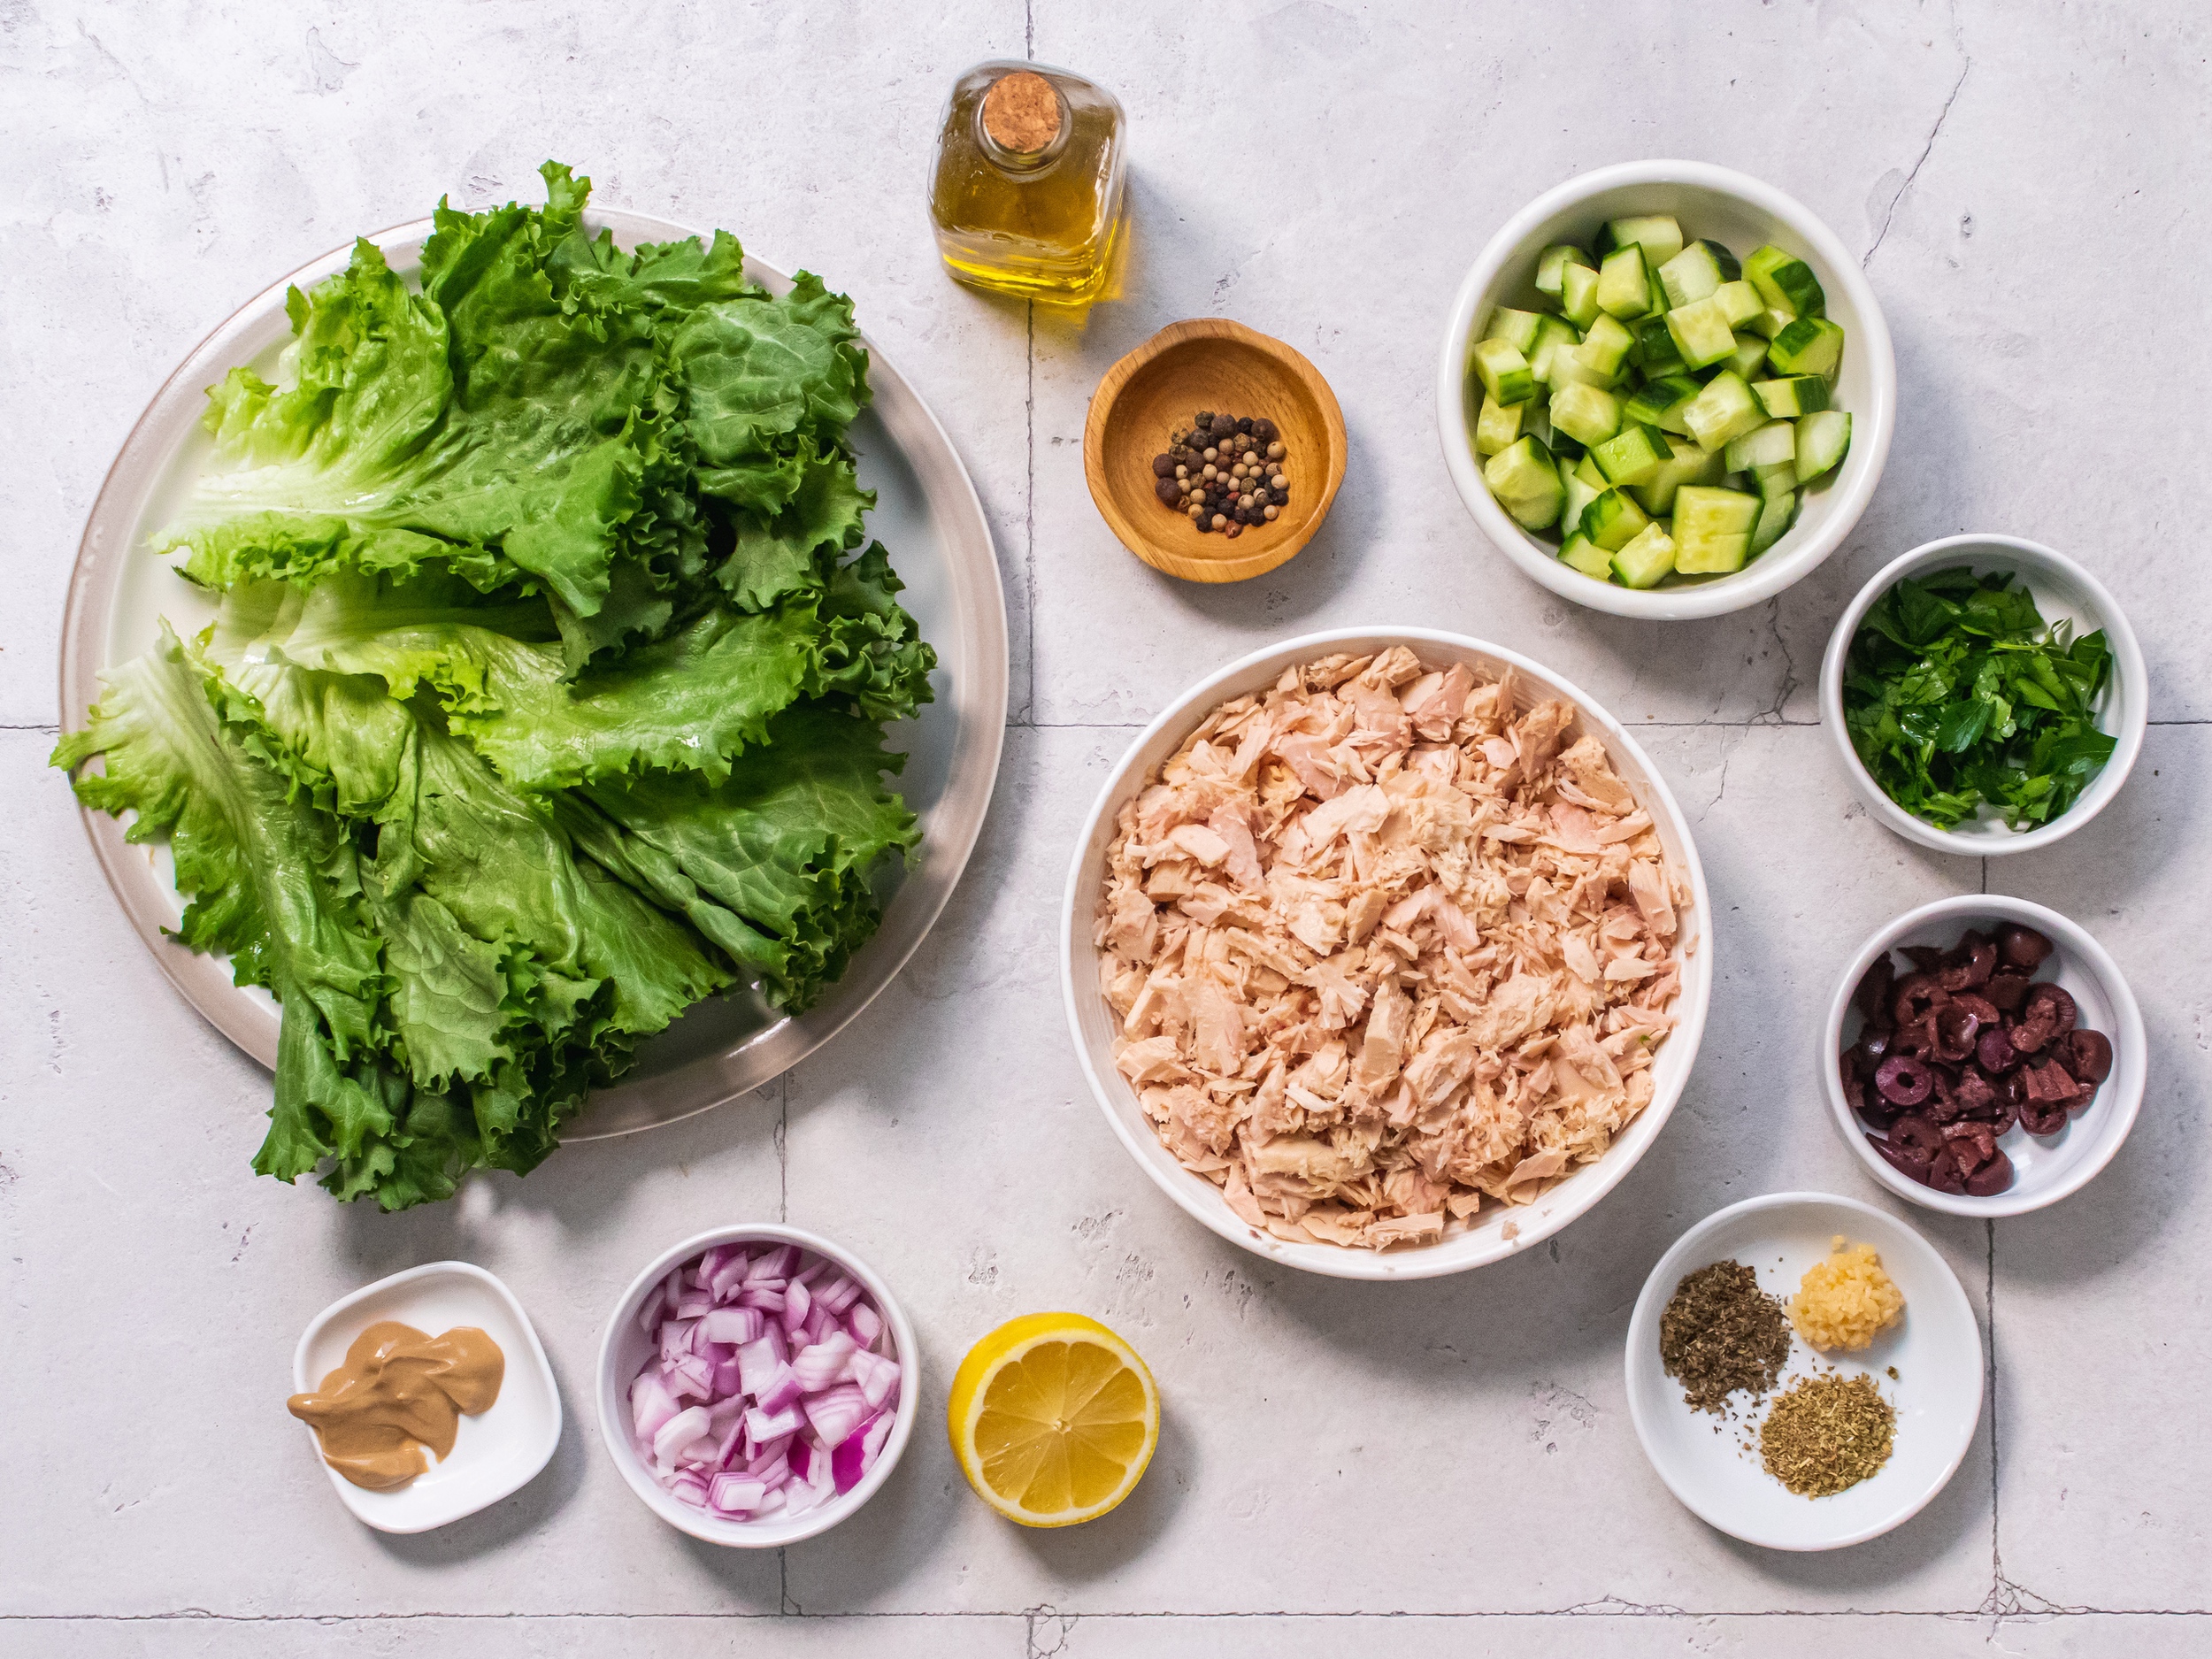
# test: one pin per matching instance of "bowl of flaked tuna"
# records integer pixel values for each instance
(1387, 953)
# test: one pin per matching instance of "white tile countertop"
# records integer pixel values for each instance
(1448, 1466)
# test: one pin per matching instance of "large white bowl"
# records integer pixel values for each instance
(2062, 588)
(622, 1354)
(2046, 1168)
(1742, 213)
(1092, 1022)
(1936, 1347)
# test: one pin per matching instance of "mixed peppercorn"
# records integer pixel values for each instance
(1223, 473)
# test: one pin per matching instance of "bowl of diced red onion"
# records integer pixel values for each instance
(757, 1386)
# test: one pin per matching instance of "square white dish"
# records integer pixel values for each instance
(496, 1452)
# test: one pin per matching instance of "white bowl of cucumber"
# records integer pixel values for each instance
(1666, 390)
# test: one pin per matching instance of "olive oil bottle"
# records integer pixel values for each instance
(1026, 195)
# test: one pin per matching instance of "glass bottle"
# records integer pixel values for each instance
(1026, 195)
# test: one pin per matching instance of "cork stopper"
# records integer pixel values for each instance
(1021, 112)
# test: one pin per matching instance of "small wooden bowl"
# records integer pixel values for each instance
(1209, 363)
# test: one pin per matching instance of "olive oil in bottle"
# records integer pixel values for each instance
(1026, 196)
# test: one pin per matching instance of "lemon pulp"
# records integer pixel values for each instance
(1053, 1417)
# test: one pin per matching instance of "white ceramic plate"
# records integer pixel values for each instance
(1741, 212)
(2063, 591)
(497, 1451)
(2046, 1168)
(623, 1350)
(1499, 1231)
(926, 514)
(1936, 1347)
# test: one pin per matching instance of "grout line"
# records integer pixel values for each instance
(1029, 547)
(1588, 1609)
(783, 1149)
(1989, 1298)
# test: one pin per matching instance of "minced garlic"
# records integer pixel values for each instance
(1846, 1300)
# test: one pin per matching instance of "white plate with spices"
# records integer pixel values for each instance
(1935, 1348)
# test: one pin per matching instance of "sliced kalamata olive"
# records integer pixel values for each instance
(1955, 1029)
(1971, 1144)
(1942, 1103)
(1976, 1096)
(1903, 1080)
(1917, 1040)
(1849, 1064)
(1979, 1005)
(2002, 1124)
(2007, 991)
(1872, 996)
(1914, 1133)
(1992, 1178)
(1968, 963)
(2022, 948)
(1912, 1165)
(1923, 957)
(2048, 1012)
(1993, 1050)
(2086, 1054)
(2012, 1088)
(2038, 1121)
(1944, 1173)
(1916, 994)
(1874, 1045)
(1854, 1088)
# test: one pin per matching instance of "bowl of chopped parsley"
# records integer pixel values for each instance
(1985, 696)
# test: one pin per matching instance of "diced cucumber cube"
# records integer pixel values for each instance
(1578, 295)
(1700, 332)
(1824, 438)
(1779, 480)
(1792, 395)
(1712, 529)
(1579, 493)
(1607, 346)
(1724, 409)
(1631, 456)
(1762, 446)
(1647, 560)
(1585, 413)
(1657, 396)
(1658, 235)
(1586, 557)
(1499, 426)
(1769, 322)
(1567, 366)
(1775, 515)
(1740, 301)
(1786, 283)
(1526, 483)
(1589, 471)
(1811, 345)
(1689, 464)
(1623, 290)
(1656, 352)
(1551, 266)
(1696, 271)
(1613, 520)
(1503, 371)
(1553, 333)
(1749, 356)
(1518, 329)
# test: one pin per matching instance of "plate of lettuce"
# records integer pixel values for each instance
(557, 669)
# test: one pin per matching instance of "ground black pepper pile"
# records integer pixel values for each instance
(1720, 1333)
(1223, 473)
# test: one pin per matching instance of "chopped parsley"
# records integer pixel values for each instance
(1957, 694)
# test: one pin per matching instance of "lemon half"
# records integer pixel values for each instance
(1052, 1419)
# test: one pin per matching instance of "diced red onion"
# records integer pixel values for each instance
(737, 1495)
(824, 1363)
(837, 1411)
(797, 1301)
(781, 1390)
(679, 1432)
(754, 1345)
(766, 1425)
(732, 1325)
